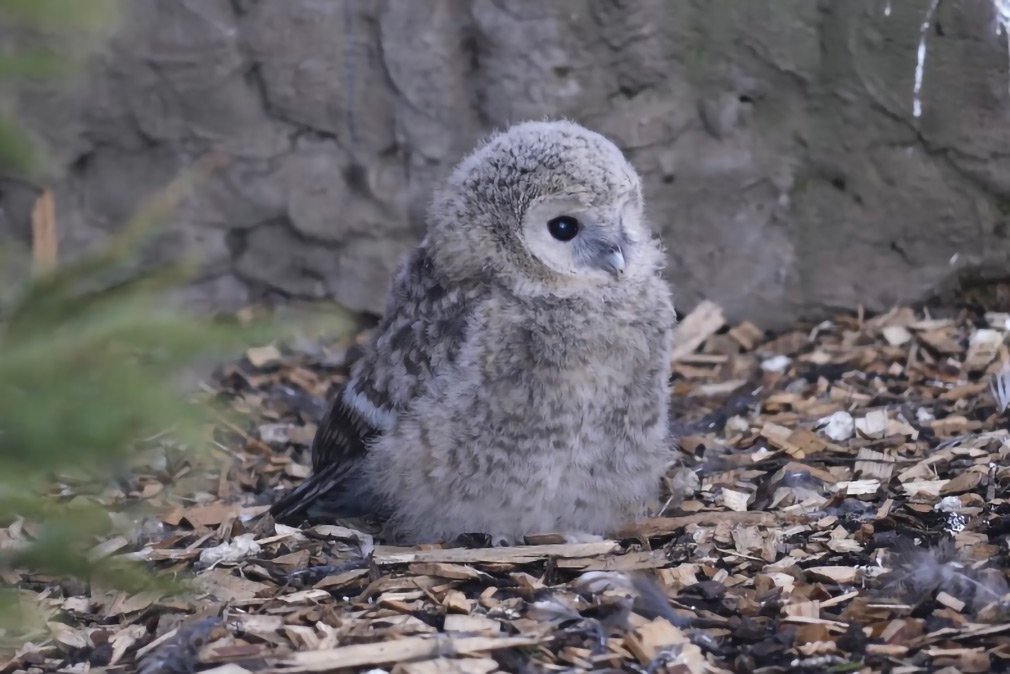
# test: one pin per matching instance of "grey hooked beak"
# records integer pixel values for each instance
(612, 261)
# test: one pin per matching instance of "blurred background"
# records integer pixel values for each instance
(803, 159)
(783, 157)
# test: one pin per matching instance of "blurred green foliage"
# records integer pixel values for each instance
(90, 354)
(89, 358)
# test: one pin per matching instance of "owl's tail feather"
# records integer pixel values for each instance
(335, 492)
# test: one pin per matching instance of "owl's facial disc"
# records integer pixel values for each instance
(577, 240)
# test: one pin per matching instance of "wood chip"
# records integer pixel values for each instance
(950, 601)
(789, 524)
(873, 425)
(983, 347)
(839, 574)
(262, 356)
(703, 321)
(735, 500)
(45, 240)
(455, 622)
(400, 650)
(514, 555)
(649, 640)
(457, 602)
(897, 335)
(746, 335)
(448, 666)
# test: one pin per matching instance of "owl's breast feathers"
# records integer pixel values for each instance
(629, 328)
(538, 345)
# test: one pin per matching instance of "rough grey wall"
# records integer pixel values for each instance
(782, 160)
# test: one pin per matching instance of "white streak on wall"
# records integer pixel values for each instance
(920, 64)
(1002, 8)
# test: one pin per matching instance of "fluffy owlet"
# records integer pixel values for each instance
(518, 382)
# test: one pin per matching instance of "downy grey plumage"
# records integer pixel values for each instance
(518, 381)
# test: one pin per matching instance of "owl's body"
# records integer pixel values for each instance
(518, 382)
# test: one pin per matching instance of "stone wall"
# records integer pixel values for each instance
(782, 159)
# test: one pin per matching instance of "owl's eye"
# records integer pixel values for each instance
(563, 228)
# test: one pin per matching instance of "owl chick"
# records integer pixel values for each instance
(518, 382)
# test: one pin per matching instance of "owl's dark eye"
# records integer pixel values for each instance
(563, 228)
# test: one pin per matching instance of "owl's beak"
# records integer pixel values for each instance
(612, 261)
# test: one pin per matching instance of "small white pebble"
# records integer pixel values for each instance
(776, 364)
(275, 433)
(839, 426)
(160, 462)
(737, 424)
(923, 415)
(896, 335)
(948, 504)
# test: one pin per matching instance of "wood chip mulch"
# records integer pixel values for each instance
(847, 510)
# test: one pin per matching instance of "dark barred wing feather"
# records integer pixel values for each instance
(337, 450)
(419, 335)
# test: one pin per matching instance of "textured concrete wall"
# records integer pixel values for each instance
(783, 163)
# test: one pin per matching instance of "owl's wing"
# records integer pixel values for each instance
(420, 334)
(337, 450)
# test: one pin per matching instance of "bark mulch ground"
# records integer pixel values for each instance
(847, 510)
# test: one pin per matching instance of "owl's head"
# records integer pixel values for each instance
(545, 207)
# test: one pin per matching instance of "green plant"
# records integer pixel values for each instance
(89, 353)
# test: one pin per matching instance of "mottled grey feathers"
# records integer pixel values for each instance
(423, 322)
(518, 382)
